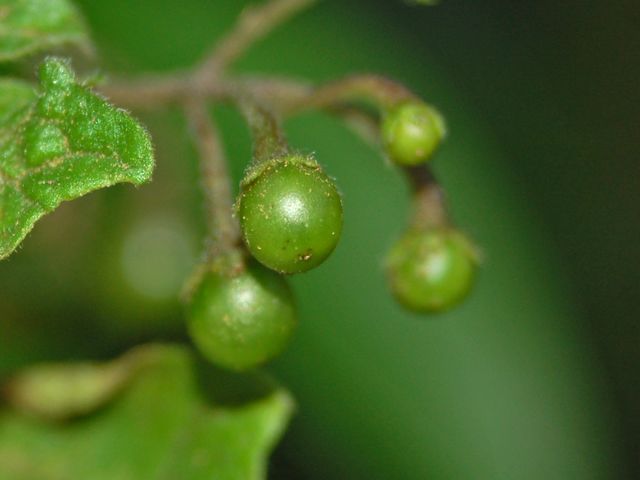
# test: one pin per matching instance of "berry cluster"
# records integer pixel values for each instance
(431, 268)
(289, 220)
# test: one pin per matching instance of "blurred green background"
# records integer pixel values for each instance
(536, 376)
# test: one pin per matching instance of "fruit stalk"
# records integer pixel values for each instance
(429, 203)
(224, 235)
(268, 139)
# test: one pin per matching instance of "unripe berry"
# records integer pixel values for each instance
(290, 214)
(243, 320)
(411, 132)
(431, 270)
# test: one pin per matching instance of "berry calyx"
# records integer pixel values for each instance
(411, 132)
(242, 319)
(290, 214)
(431, 270)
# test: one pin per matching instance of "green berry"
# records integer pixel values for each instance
(243, 320)
(411, 132)
(431, 270)
(290, 213)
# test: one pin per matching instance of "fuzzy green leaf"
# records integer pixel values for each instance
(170, 421)
(59, 144)
(28, 26)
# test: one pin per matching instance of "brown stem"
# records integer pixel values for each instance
(223, 228)
(429, 205)
(253, 24)
(152, 91)
(206, 80)
(148, 91)
(283, 95)
(268, 138)
(287, 97)
(383, 92)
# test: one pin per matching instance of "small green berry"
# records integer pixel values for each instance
(290, 213)
(431, 270)
(411, 132)
(241, 321)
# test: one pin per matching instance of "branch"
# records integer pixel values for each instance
(224, 231)
(254, 23)
(288, 97)
(429, 203)
(283, 95)
(268, 138)
(383, 92)
(150, 91)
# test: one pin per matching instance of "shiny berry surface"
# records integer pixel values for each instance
(411, 133)
(242, 321)
(431, 270)
(291, 215)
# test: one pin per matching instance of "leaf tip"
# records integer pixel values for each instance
(56, 72)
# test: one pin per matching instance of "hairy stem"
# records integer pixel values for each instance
(253, 24)
(268, 139)
(429, 205)
(288, 97)
(153, 90)
(382, 92)
(224, 233)
(283, 95)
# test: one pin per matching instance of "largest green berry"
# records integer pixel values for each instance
(431, 270)
(243, 319)
(290, 213)
(411, 132)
